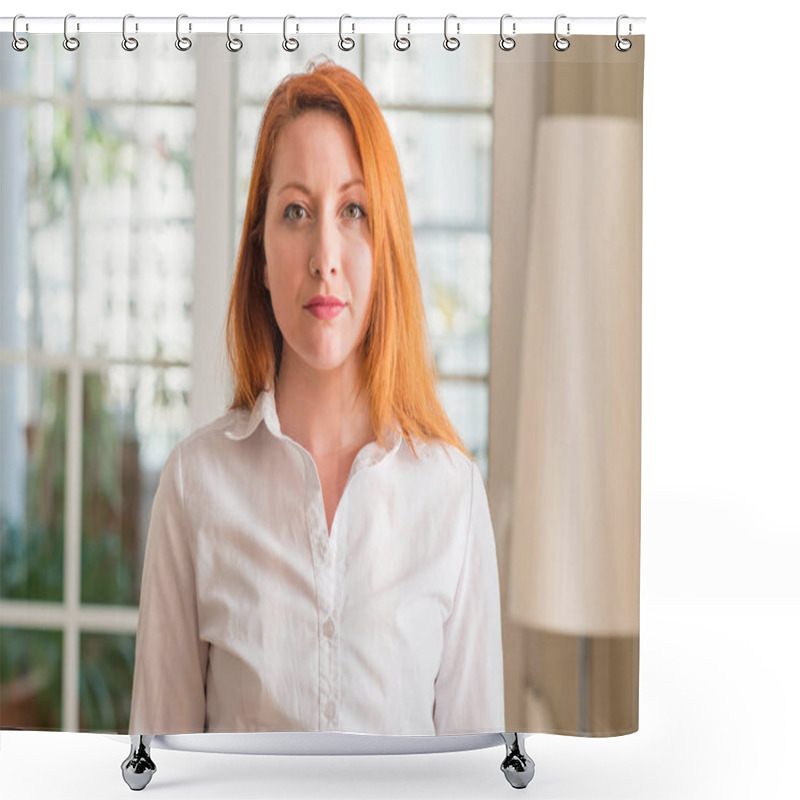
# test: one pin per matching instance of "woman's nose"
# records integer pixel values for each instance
(326, 249)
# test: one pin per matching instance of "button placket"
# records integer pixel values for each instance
(324, 554)
(328, 644)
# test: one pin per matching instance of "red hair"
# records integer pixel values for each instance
(399, 374)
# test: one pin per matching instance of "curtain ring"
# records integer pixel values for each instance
(451, 42)
(233, 44)
(183, 43)
(289, 44)
(71, 43)
(401, 42)
(18, 43)
(345, 42)
(507, 42)
(623, 45)
(128, 42)
(560, 42)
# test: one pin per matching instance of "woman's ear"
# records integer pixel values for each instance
(266, 277)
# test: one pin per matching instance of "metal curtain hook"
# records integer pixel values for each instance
(345, 42)
(18, 43)
(70, 42)
(233, 44)
(290, 44)
(507, 42)
(623, 45)
(128, 42)
(561, 43)
(401, 42)
(183, 43)
(451, 42)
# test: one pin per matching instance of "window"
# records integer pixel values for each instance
(97, 284)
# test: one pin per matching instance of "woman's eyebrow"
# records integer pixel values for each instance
(305, 190)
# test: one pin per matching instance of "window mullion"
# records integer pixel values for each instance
(213, 181)
(72, 550)
(70, 696)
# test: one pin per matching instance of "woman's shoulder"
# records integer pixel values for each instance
(197, 457)
(443, 480)
(215, 429)
(211, 435)
(440, 459)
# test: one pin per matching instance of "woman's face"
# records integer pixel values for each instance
(316, 241)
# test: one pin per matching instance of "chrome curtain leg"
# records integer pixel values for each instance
(138, 768)
(517, 766)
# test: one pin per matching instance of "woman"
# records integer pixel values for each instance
(333, 568)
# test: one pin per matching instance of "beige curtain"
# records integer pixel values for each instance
(565, 388)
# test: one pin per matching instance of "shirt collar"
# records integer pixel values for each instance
(264, 410)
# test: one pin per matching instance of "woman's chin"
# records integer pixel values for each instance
(321, 355)
(325, 362)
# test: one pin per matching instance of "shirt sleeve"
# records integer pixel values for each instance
(170, 667)
(469, 686)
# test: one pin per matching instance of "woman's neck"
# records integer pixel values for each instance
(323, 410)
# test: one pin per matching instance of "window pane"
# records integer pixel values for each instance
(43, 70)
(427, 74)
(106, 678)
(36, 265)
(446, 164)
(467, 405)
(30, 679)
(33, 422)
(454, 270)
(137, 246)
(137, 291)
(132, 419)
(248, 122)
(155, 71)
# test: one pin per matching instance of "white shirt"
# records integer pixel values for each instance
(253, 618)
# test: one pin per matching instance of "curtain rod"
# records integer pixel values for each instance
(458, 26)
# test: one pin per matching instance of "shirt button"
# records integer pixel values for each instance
(329, 628)
(330, 709)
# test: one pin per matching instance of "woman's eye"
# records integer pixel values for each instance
(294, 212)
(354, 211)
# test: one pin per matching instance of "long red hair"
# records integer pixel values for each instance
(399, 374)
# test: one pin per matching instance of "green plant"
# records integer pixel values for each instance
(30, 664)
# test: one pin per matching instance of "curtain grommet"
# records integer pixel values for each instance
(233, 44)
(129, 43)
(183, 43)
(507, 42)
(623, 45)
(401, 43)
(70, 43)
(289, 44)
(451, 42)
(561, 43)
(345, 42)
(19, 43)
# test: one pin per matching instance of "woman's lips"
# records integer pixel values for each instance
(325, 310)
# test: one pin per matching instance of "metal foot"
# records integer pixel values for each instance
(138, 768)
(517, 766)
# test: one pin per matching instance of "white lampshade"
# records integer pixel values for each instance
(575, 528)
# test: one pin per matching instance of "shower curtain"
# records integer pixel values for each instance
(125, 180)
